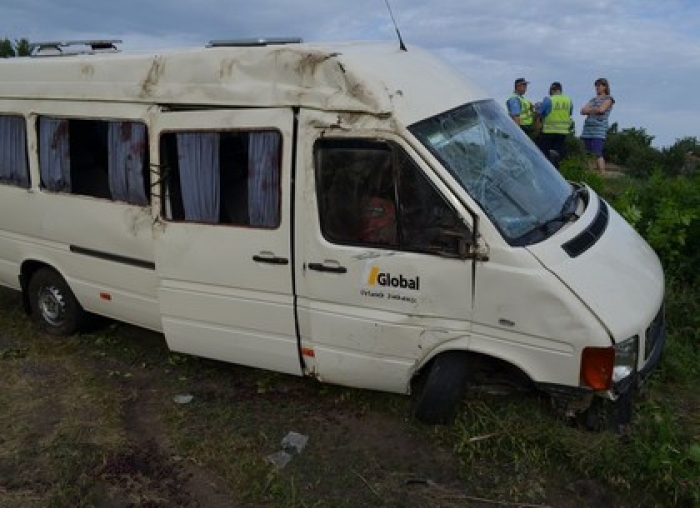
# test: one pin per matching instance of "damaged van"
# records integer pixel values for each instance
(358, 213)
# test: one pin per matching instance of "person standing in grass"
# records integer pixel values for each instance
(595, 127)
(520, 109)
(555, 116)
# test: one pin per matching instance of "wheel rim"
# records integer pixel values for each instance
(52, 305)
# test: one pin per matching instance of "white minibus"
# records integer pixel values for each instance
(357, 212)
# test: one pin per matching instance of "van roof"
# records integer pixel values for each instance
(363, 77)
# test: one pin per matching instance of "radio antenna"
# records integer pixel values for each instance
(402, 47)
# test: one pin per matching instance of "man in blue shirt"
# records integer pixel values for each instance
(520, 109)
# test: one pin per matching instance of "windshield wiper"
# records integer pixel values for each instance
(567, 212)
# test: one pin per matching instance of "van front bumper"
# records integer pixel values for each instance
(625, 391)
(612, 408)
(654, 344)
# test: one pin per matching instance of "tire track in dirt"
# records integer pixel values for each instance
(149, 469)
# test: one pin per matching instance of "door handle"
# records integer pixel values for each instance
(272, 260)
(320, 267)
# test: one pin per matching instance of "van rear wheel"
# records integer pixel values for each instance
(53, 305)
(440, 389)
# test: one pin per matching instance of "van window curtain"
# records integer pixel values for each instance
(198, 160)
(13, 151)
(263, 178)
(127, 146)
(54, 154)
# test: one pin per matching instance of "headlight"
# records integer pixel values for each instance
(602, 367)
(626, 354)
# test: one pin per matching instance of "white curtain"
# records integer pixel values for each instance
(54, 154)
(127, 147)
(13, 151)
(198, 160)
(263, 178)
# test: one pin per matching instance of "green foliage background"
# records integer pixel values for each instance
(8, 48)
(658, 192)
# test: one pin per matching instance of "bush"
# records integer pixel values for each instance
(632, 149)
(666, 212)
(641, 162)
(681, 158)
(619, 146)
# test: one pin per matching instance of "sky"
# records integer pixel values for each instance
(648, 50)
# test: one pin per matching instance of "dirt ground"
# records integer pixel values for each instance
(112, 420)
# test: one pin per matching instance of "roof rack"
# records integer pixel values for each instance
(227, 43)
(63, 48)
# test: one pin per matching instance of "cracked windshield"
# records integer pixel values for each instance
(497, 165)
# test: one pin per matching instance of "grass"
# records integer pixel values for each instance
(57, 420)
(72, 436)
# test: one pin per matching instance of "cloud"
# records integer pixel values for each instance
(649, 50)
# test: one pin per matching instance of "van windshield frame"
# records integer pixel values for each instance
(498, 165)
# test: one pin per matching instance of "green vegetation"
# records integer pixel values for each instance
(662, 200)
(8, 48)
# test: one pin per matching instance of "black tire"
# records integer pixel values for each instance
(53, 305)
(440, 389)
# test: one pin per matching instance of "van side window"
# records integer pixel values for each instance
(222, 177)
(14, 167)
(371, 193)
(97, 158)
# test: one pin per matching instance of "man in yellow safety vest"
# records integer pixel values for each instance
(520, 109)
(554, 113)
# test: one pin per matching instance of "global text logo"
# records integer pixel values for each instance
(389, 280)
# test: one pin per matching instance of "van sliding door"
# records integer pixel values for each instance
(222, 242)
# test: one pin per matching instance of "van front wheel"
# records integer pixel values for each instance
(440, 389)
(54, 306)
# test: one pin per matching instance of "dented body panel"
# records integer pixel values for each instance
(371, 78)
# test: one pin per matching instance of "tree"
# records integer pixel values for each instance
(20, 47)
(6, 48)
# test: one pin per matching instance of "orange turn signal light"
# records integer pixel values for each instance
(597, 367)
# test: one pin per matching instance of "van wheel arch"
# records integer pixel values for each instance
(27, 270)
(439, 387)
(53, 306)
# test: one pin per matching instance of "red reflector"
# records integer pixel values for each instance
(597, 367)
(106, 296)
(307, 351)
